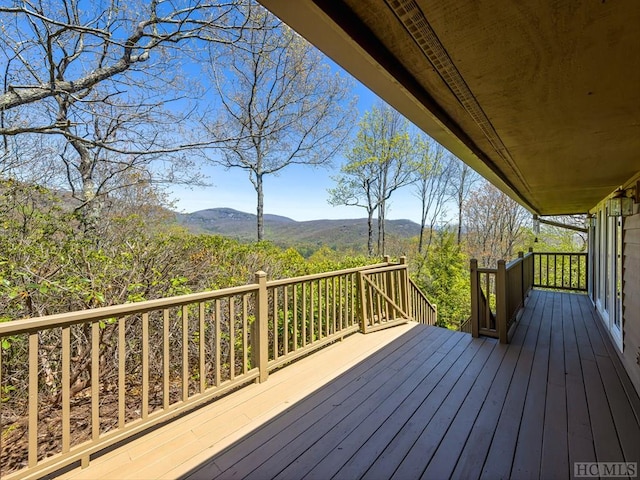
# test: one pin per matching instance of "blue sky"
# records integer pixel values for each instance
(298, 192)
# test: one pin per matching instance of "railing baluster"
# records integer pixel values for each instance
(384, 285)
(33, 399)
(579, 279)
(95, 380)
(260, 333)
(312, 320)
(285, 321)
(376, 297)
(487, 317)
(201, 348)
(320, 309)
(232, 339)
(276, 321)
(327, 309)
(334, 301)
(245, 333)
(185, 353)
(295, 317)
(547, 280)
(165, 359)
(145, 365)
(218, 344)
(66, 388)
(571, 257)
(122, 389)
(341, 298)
(304, 314)
(350, 300)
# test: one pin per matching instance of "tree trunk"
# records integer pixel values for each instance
(423, 221)
(382, 229)
(380, 215)
(90, 209)
(260, 209)
(461, 191)
(370, 232)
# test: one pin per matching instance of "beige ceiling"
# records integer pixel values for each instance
(540, 97)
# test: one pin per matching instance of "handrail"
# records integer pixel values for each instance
(151, 360)
(27, 325)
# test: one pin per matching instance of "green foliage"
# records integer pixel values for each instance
(49, 265)
(443, 275)
(326, 259)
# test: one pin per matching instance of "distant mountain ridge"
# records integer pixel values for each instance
(344, 233)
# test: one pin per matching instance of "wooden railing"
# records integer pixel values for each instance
(390, 297)
(422, 310)
(465, 326)
(497, 295)
(76, 383)
(563, 271)
(306, 313)
(483, 301)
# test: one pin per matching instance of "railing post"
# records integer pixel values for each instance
(522, 288)
(501, 302)
(475, 299)
(363, 303)
(388, 285)
(260, 330)
(404, 288)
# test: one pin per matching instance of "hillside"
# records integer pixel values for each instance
(337, 234)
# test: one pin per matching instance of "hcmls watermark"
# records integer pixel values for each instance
(605, 469)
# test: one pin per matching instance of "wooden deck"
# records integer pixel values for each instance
(430, 403)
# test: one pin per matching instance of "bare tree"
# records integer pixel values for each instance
(432, 173)
(110, 143)
(61, 48)
(379, 164)
(280, 103)
(463, 179)
(102, 79)
(494, 224)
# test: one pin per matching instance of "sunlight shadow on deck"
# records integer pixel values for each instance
(440, 404)
(178, 446)
(413, 401)
(369, 404)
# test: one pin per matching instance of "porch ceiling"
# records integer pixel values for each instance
(542, 98)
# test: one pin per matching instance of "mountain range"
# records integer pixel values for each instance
(337, 234)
